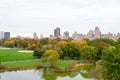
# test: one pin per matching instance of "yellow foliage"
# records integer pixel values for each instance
(62, 44)
(77, 42)
(83, 42)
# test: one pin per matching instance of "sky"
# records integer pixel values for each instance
(24, 17)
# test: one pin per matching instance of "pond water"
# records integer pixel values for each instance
(46, 74)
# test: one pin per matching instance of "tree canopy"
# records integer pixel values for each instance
(50, 56)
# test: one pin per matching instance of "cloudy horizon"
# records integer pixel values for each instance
(24, 17)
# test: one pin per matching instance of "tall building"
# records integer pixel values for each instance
(1, 35)
(35, 36)
(97, 33)
(6, 34)
(41, 36)
(90, 34)
(57, 32)
(66, 33)
(75, 35)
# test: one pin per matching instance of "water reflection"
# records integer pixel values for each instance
(82, 73)
(48, 74)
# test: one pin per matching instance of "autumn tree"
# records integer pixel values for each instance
(38, 52)
(73, 49)
(89, 52)
(51, 56)
(24, 43)
(100, 45)
(83, 42)
(10, 44)
(32, 46)
(62, 45)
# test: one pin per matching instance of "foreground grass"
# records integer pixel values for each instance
(14, 55)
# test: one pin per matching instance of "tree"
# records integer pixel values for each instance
(83, 42)
(45, 41)
(62, 45)
(117, 42)
(111, 63)
(38, 53)
(51, 56)
(89, 52)
(24, 43)
(76, 42)
(73, 49)
(105, 40)
(0, 60)
(10, 44)
(100, 46)
(32, 47)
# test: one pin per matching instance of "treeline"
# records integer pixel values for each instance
(67, 48)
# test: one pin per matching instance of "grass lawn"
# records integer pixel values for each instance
(62, 64)
(13, 55)
(22, 64)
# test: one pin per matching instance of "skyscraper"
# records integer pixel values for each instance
(90, 34)
(35, 36)
(41, 36)
(57, 32)
(6, 34)
(1, 35)
(66, 33)
(97, 33)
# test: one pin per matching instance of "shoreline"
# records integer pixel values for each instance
(39, 66)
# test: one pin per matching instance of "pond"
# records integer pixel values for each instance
(47, 74)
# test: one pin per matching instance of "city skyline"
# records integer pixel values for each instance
(91, 34)
(24, 17)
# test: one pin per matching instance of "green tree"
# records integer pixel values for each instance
(51, 56)
(0, 60)
(89, 52)
(100, 46)
(105, 40)
(45, 41)
(38, 53)
(111, 63)
(62, 45)
(73, 49)
(117, 42)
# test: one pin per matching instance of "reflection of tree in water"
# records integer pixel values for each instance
(86, 70)
(48, 74)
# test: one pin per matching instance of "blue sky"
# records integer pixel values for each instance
(24, 17)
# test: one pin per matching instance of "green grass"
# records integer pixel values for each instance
(63, 64)
(14, 55)
(22, 65)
